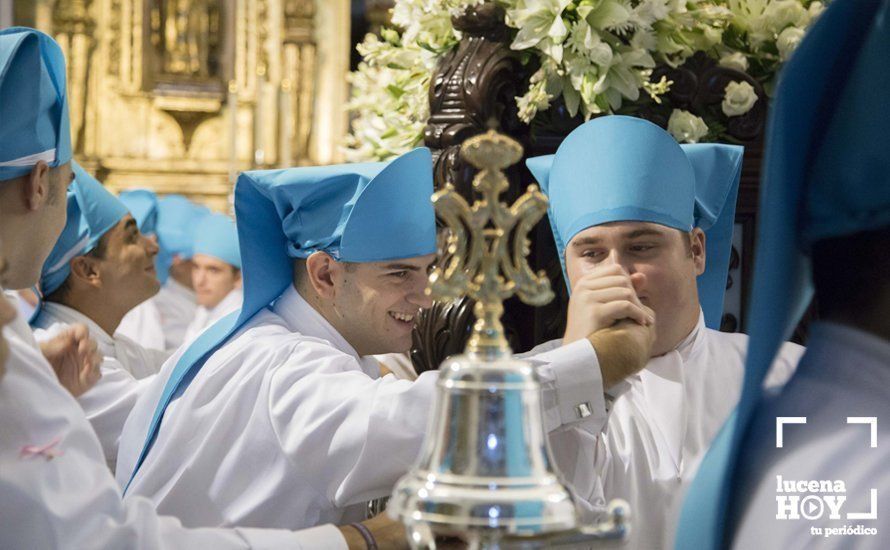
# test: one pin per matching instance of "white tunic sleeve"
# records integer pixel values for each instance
(572, 385)
(58, 493)
(109, 402)
(362, 433)
(358, 435)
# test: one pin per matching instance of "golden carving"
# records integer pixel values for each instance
(189, 33)
(148, 86)
(488, 243)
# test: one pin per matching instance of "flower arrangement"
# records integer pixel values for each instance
(596, 56)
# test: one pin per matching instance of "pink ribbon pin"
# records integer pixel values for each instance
(47, 451)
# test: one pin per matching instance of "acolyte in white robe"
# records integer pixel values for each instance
(143, 325)
(286, 426)
(126, 368)
(177, 306)
(655, 428)
(71, 500)
(204, 317)
(844, 373)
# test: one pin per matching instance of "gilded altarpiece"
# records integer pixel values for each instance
(181, 95)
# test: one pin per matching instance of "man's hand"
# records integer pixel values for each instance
(75, 358)
(388, 533)
(623, 349)
(601, 298)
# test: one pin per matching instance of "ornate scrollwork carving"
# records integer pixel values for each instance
(441, 331)
(474, 88)
(472, 91)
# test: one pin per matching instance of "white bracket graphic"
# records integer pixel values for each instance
(780, 423)
(872, 513)
(872, 421)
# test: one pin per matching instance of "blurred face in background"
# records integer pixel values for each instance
(213, 279)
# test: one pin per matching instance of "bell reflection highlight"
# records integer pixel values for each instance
(486, 464)
(485, 471)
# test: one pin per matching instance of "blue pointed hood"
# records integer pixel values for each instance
(354, 212)
(33, 102)
(92, 212)
(217, 236)
(619, 168)
(176, 222)
(366, 212)
(143, 205)
(826, 174)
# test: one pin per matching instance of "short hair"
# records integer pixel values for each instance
(57, 190)
(849, 271)
(299, 275)
(688, 239)
(60, 294)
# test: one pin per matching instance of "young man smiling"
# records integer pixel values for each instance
(56, 490)
(100, 268)
(144, 324)
(277, 416)
(643, 227)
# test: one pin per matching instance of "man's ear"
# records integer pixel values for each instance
(321, 272)
(86, 270)
(36, 191)
(697, 247)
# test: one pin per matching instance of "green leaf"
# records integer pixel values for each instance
(395, 91)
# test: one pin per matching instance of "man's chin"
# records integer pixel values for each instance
(400, 347)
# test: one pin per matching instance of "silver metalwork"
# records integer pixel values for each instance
(486, 472)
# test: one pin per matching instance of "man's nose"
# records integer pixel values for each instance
(151, 244)
(617, 258)
(419, 296)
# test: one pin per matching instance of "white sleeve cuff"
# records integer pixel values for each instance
(573, 387)
(323, 536)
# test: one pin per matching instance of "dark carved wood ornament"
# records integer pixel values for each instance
(474, 89)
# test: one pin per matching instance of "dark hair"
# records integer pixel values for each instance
(300, 276)
(849, 274)
(58, 190)
(60, 294)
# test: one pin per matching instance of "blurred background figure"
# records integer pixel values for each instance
(216, 272)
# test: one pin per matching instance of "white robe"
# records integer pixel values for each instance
(656, 426)
(204, 317)
(71, 501)
(844, 373)
(25, 309)
(143, 325)
(399, 364)
(286, 426)
(177, 306)
(126, 370)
